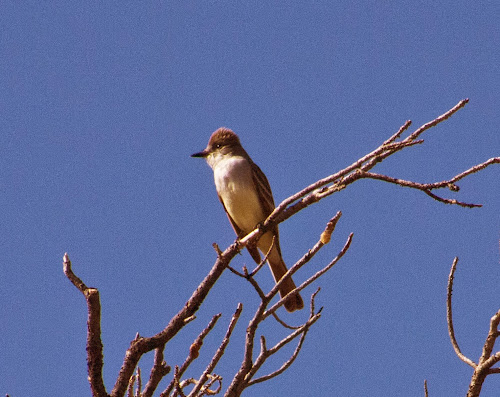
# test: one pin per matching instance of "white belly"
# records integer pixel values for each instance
(235, 186)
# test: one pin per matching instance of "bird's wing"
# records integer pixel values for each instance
(265, 195)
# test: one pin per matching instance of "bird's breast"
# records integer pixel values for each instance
(236, 188)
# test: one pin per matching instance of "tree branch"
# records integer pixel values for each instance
(427, 187)
(484, 367)
(143, 345)
(194, 352)
(159, 370)
(266, 353)
(218, 354)
(94, 343)
(449, 317)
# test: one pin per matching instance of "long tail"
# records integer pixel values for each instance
(278, 268)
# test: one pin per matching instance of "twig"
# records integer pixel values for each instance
(402, 129)
(439, 119)
(219, 353)
(194, 352)
(427, 187)
(245, 273)
(449, 317)
(484, 367)
(159, 370)
(314, 277)
(285, 325)
(301, 262)
(177, 384)
(265, 353)
(130, 390)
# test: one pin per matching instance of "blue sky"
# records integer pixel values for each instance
(101, 106)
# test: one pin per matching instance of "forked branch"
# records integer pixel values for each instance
(485, 365)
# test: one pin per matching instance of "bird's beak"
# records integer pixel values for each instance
(203, 153)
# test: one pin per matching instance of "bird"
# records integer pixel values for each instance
(246, 196)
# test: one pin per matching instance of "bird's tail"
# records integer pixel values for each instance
(278, 268)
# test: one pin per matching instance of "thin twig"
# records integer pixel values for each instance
(449, 317)
(265, 353)
(427, 187)
(402, 129)
(439, 119)
(219, 353)
(314, 277)
(285, 325)
(489, 344)
(301, 262)
(194, 352)
(263, 261)
(304, 329)
(178, 385)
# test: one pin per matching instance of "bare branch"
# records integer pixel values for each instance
(484, 367)
(439, 119)
(427, 187)
(449, 317)
(219, 353)
(265, 353)
(130, 390)
(264, 260)
(141, 345)
(94, 343)
(178, 386)
(280, 321)
(486, 358)
(314, 277)
(194, 352)
(398, 134)
(159, 370)
(301, 262)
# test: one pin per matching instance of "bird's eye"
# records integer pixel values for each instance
(218, 146)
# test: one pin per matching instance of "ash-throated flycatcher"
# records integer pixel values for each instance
(245, 193)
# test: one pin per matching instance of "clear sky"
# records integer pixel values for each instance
(103, 102)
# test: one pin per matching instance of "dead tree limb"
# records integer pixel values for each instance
(94, 343)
